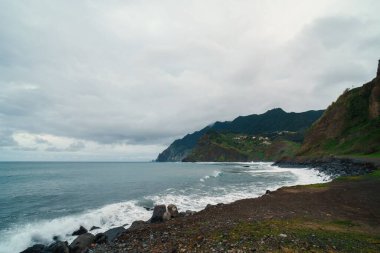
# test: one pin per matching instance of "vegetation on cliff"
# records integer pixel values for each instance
(267, 124)
(349, 126)
(228, 147)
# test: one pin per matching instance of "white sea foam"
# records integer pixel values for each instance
(216, 173)
(18, 238)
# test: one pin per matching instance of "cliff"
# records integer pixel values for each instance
(272, 121)
(228, 147)
(349, 126)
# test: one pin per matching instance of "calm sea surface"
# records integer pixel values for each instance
(39, 200)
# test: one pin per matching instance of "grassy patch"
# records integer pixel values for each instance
(320, 185)
(373, 175)
(373, 155)
(300, 236)
(344, 223)
(348, 178)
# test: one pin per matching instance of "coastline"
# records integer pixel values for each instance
(211, 227)
(333, 166)
(340, 216)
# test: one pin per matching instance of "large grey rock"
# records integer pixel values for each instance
(82, 243)
(82, 230)
(100, 238)
(139, 224)
(94, 227)
(37, 248)
(189, 213)
(158, 214)
(114, 233)
(173, 211)
(57, 247)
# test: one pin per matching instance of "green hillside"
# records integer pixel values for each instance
(230, 147)
(350, 126)
(272, 121)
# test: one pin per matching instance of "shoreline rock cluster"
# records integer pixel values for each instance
(331, 166)
(85, 241)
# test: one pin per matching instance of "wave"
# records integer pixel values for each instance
(215, 174)
(18, 238)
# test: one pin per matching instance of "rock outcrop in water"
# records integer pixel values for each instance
(80, 231)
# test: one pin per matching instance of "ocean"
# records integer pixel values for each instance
(40, 200)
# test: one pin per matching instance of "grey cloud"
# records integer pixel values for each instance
(55, 149)
(21, 148)
(76, 146)
(73, 147)
(6, 139)
(120, 73)
(40, 140)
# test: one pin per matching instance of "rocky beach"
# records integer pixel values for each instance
(340, 216)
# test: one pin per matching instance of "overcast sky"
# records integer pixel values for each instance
(120, 80)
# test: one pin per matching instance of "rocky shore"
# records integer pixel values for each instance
(341, 216)
(332, 166)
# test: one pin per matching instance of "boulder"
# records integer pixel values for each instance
(182, 214)
(82, 230)
(37, 248)
(189, 213)
(158, 214)
(173, 211)
(139, 224)
(100, 238)
(209, 206)
(114, 233)
(82, 243)
(94, 227)
(166, 216)
(58, 247)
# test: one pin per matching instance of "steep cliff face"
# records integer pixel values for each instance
(351, 125)
(271, 121)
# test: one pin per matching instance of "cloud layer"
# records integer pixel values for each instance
(119, 80)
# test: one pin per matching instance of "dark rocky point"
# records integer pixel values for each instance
(100, 238)
(173, 211)
(136, 225)
(58, 247)
(82, 230)
(158, 214)
(37, 248)
(94, 227)
(114, 233)
(82, 243)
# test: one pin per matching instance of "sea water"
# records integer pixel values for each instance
(40, 200)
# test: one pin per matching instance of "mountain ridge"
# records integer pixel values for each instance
(271, 121)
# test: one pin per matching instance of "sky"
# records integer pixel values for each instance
(120, 80)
